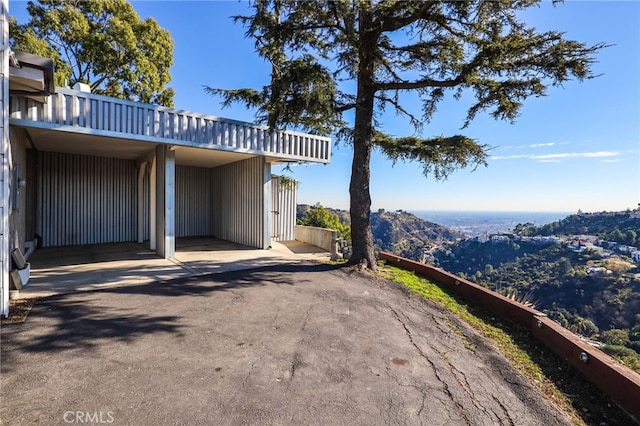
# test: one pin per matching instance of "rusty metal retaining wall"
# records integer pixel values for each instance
(619, 382)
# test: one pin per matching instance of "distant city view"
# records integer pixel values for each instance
(473, 224)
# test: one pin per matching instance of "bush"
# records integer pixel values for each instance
(323, 218)
(624, 355)
(615, 337)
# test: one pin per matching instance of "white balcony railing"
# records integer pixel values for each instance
(76, 111)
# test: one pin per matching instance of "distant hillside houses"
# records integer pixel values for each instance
(575, 243)
(634, 214)
(504, 237)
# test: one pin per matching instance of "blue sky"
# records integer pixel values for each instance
(577, 148)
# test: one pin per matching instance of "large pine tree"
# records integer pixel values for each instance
(389, 48)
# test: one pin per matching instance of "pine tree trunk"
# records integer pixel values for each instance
(360, 205)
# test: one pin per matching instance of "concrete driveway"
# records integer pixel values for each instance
(303, 344)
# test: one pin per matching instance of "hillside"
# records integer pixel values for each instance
(620, 227)
(406, 234)
(399, 232)
(589, 282)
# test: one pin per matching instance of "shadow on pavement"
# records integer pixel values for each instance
(82, 321)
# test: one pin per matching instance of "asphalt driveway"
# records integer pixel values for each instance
(301, 344)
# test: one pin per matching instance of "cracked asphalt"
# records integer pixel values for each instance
(304, 344)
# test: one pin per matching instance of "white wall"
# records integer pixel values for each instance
(4, 158)
(18, 171)
(319, 237)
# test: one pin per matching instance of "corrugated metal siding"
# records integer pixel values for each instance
(237, 202)
(193, 202)
(86, 200)
(283, 214)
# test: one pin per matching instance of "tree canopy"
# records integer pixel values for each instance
(102, 43)
(388, 49)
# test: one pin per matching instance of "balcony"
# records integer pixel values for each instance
(80, 112)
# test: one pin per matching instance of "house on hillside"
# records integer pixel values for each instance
(499, 238)
(482, 238)
(80, 168)
(543, 240)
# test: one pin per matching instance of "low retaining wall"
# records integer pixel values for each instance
(619, 382)
(320, 237)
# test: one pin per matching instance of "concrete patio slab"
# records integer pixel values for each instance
(60, 270)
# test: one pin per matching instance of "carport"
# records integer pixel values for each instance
(89, 170)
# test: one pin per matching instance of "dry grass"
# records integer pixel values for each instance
(18, 311)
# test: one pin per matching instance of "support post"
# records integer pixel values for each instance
(165, 201)
(153, 184)
(266, 207)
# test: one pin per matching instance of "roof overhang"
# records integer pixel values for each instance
(126, 149)
(31, 76)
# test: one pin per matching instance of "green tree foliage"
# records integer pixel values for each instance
(323, 218)
(615, 337)
(563, 267)
(102, 43)
(389, 49)
(626, 356)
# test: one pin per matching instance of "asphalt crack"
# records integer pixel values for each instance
(445, 385)
(422, 391)
(251, 367)
(505, 411)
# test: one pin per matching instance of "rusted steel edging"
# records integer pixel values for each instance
(619, 382)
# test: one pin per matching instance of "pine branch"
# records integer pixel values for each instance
(415, 121)
(418, 84)
(343, 108)
(439, 156)
(390, 23)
